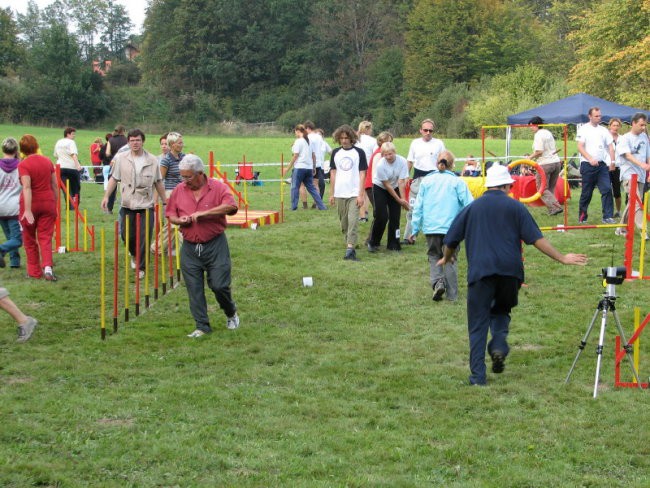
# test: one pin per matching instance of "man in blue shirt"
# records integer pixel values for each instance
(493, 227)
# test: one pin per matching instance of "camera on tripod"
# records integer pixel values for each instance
(614, 275)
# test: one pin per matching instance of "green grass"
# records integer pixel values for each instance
(357, 381)
(230, 150)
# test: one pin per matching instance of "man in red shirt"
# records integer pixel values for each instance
(199, 206)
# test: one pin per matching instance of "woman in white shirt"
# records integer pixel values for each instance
(304, 166)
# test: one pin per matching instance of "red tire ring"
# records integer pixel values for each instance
(540, 172)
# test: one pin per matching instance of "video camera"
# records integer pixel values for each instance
(614, 275)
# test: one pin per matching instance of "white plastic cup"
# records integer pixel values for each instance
(307, 281)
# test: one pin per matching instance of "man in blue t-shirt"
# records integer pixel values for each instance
(495, 267)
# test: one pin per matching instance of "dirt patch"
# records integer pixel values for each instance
(116, 422)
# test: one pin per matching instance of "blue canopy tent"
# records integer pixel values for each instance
(574, 110)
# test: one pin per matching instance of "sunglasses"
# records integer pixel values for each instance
(428, 131)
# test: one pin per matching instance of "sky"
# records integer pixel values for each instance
(135, 8)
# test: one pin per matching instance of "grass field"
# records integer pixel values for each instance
(359, 380)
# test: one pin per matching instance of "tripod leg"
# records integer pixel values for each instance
(627, 348)
(582, 345)
(599, 349)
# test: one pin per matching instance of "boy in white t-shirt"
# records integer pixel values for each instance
(348, 167)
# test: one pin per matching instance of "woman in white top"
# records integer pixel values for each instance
(614, 171)
(369, 146)
(304, 165)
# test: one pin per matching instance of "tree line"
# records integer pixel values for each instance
(465, 63)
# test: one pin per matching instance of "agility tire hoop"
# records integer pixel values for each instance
(540, 171)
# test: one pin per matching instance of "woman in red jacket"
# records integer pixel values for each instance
(37, 208)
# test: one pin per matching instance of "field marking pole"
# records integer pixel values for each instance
(147, 228)
(636, 343)
(169, 254)
(282, 183)
(156, 248)
(162, 258)
(102, 286)
(127, 219)
(67, 214)
(57, 222)
(178, 255)
(85, 226)
(644, 229)
(138, 260)
(116, 268)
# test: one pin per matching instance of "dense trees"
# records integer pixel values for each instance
(464, 62)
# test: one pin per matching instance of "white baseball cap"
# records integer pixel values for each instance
(498, 175)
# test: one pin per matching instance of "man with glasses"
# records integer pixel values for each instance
(199, 206)
(422, 157)
(139, 178)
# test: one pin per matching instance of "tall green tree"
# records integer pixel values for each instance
(11, 51)
(115, 30)
(30, 24)
(456, 41)
(62, 89)
(614, 52)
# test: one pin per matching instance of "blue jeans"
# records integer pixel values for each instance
(306, 177)
(14, 235)
(592, 176)
(489, 302)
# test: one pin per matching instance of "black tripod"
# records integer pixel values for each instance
(607, 303)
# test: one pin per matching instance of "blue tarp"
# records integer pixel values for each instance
(574, 110)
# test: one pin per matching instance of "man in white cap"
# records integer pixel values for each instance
(493, 227)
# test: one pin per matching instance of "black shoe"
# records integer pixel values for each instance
(408, 242)
(2, 261)
(498, 361)
(438, 290)
(351, 255)
(556, 211)
(372, 248)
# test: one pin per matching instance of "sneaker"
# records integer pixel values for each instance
(582, 222)
(617, 215)
(48, 274)
(438, 290)
(620, 231)
(610, 221)
(498, 361)
(558, 210)
(2, 260)
(233, 322)
(196, 333)
(141, 274)
(363, 219)
(26, 330)
(372, 248)
(133, 266)
(408, 242)
(351, 255)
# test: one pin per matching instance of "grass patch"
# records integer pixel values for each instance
(357, 381)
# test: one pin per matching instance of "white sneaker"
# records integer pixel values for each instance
(233, 322)
(141, 274)
(620, 231)
(196, 333)
(132, 264)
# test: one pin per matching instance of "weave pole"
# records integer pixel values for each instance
(138, 258)
(126, 267)
(102, 286)
(178, 255)
(116, 268)
(147, 240)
